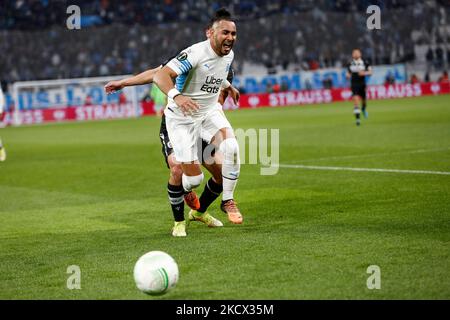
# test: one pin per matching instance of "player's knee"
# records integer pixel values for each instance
(176, 172)
(229, 146)
(191, 182)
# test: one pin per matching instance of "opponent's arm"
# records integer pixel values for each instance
(232, 91)
(368, 72)
(163, 79)
(141, 78)
(223, 96)
(348, 75)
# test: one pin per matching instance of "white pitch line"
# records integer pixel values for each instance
(300, 166)
(354, 156)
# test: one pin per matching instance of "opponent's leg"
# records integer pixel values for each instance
(356, 110)
(364, 103)
(210, 193)
(192, 178)
(213, 187)
(176, 197)
(181, 135)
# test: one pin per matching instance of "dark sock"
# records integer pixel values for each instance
(210, 193)
(356, 112)
(176, 199)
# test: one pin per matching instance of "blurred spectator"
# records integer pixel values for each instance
(313, 65)
(327, 83)
(137, 34)
(276, 87)
(444, 77)
(122, 98)
(242, 90)
(88, 100)
(284, 86)
(439, 61)
(414, 79)
(390, 79)
(308, 85)
(430, 57)
(159, 100)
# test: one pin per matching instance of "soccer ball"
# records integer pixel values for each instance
(155, 273)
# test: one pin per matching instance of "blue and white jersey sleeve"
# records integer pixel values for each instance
(184, 62)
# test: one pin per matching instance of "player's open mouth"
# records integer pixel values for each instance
(227, 46)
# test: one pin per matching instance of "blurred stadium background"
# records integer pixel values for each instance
(93, 193)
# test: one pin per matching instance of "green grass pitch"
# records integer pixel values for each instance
(94, 195)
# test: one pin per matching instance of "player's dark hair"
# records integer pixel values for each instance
(219, 15)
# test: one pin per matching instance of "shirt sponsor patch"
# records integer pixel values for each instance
(182, 56)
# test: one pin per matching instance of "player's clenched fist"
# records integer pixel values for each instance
(113, 86)
(186, 104)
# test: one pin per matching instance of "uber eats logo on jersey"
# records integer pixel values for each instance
(211, 85)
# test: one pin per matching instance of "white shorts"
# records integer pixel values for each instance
(186, 133)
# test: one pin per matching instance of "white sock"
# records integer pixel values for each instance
(230, 167)
(191, 182)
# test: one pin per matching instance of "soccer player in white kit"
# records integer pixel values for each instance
(193, 113)
(2, 108)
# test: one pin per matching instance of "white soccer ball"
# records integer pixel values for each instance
(155, 273)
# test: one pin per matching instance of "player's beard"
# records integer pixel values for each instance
(221, 48)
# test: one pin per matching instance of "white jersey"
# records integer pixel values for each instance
(201, 75)
(2, 101)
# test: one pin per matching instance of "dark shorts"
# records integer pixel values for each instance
(359, 91)
(207, 150)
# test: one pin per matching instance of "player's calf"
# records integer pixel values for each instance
(230, 167)
(230, 174)
(357, 114)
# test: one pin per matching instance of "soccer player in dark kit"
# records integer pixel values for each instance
(357, 70)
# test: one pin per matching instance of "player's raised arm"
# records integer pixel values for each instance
(163, 79)
(145, 77)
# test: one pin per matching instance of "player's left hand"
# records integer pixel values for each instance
(113, 86)
(362, 73)
(234, 94)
